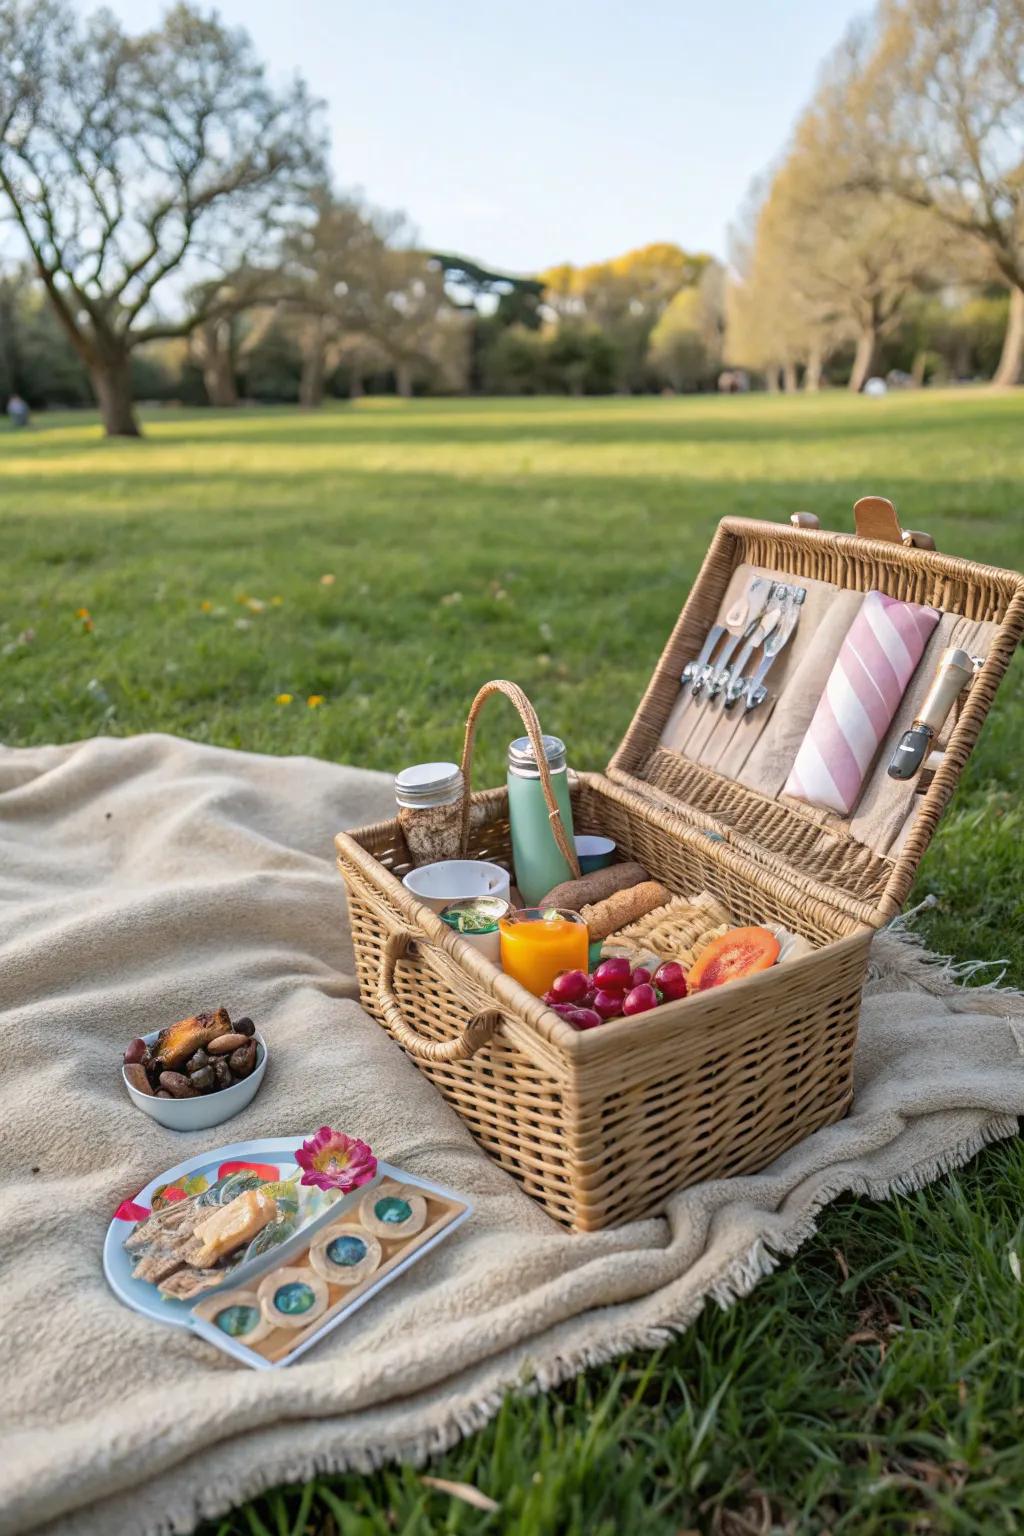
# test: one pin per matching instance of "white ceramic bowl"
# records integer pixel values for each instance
(456, 879)
(205, 1109)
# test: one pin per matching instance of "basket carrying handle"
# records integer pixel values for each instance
(528, 715)
(874, 517)
(461, 1047)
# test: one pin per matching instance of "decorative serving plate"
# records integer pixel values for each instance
(274, 1159)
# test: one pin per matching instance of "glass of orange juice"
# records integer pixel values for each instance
(536, 944)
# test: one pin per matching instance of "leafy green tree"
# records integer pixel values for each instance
(686, 343)
(624, 298)
(936, 119)
(128, 162)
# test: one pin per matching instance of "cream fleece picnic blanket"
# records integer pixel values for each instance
(143, 879)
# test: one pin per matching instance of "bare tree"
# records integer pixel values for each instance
(937, 117)
(132, 165)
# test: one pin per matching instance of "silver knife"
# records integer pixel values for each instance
(756, 692)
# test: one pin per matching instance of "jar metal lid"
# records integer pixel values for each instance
(521, 759)
(427, 784)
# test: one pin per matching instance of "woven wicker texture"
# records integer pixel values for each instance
(601, 1126)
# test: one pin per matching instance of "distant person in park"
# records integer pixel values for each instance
(17, 410)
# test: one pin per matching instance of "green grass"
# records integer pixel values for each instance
(873, 1385)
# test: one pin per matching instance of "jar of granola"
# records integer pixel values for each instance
(429, 797)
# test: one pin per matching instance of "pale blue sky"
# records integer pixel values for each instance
(535, 133)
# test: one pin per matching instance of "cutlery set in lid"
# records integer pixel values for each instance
(763, 620)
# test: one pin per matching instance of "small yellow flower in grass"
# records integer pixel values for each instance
(206, 606)
(275, 602)
(86, 618)
(327, 580)
(284, 698)
(315, 700)
(81, 613)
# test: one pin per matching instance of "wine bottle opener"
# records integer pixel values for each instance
(954, 672)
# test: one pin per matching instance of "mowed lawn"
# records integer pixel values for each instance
(387, 559)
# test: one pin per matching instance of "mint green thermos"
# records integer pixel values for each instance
(539, 864)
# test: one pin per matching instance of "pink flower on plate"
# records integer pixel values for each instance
(332, 1160)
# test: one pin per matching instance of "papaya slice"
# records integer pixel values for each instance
(740, 952)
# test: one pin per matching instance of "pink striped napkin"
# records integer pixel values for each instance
(875, 663)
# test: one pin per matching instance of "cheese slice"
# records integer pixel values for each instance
(233, 1224)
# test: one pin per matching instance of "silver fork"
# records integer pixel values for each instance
(753, 636)
(756, 692)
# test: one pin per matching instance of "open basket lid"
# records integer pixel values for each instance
(834, 860)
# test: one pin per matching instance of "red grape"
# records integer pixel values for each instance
(640, 977)
(608, 1004)
(640, 1000)
(570, 986)
(613, 975)
(670, 979)
(585, 1018)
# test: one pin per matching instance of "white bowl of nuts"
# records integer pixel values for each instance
(196, 1073)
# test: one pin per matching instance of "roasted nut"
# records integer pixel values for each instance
(243, 1059)
(222, 1072)
(200, 1059)
(244, 1027)
(177, 1085)
(136, 1052)
(225, 1044)
(202, 1079)
(135, 1073)
(162, 1094)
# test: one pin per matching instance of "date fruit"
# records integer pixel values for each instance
(137, 1051)
(177, 1085)
(135, 1074)
(243, 1059)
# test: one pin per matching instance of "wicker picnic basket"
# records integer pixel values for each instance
(602, 1126)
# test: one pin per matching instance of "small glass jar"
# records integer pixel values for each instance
(536, 945)
(539, 863)
(429, 797)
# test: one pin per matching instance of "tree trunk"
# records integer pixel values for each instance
(771, 379)
(1009, 368)
(789, 377)
(112, 380)
(311, 385)
(219, 379)
(356, 387)
(919, 367)
(403, 380)
(864, 358)
(812, 373)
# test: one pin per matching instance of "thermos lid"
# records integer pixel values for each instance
(428, 784)
(521, 759)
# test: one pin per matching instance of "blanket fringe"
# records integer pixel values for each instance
(937, 973)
